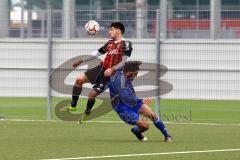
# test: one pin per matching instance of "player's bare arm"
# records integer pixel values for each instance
(76, 64)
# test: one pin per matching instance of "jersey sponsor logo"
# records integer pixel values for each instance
(113, 51)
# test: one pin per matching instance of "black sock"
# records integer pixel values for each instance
(90, 104)
(75, 95)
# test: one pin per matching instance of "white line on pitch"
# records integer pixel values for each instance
(146, 154)
(177, 123)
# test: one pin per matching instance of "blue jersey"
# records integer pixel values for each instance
(123, 98)
(122, 91)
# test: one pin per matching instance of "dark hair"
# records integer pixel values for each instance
(118, 25)
(132, 66)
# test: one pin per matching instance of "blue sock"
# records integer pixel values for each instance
(159, 124)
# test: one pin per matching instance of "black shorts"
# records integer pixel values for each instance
(96, 76)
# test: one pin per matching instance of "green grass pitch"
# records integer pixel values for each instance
(217, 128)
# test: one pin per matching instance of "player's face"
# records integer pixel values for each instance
(113, 32)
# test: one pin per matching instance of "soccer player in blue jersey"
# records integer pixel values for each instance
(128, 106)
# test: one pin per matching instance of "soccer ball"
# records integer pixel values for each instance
(92, 27)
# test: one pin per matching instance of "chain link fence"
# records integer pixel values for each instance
(194, 24)
(198, 79)
(181, 24)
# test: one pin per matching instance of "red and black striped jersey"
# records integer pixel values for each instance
(115, 50)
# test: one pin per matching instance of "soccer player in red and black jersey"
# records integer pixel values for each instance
(117, 51)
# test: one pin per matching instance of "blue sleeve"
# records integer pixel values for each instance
(132, 89)
(125, 93)
(139, 100)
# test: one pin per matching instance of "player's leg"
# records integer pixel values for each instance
(100, 85)
(89, 76)
(130, 116)
(140, 127)
(77, 89)
(91, 100)
(147, 112)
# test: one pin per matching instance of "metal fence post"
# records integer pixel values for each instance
(22, 20)
(4, 16)
(163, 18)
(43, 15)
(49, 34)
(157, 104)
(215, 24)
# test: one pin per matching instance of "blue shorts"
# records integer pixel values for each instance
(127, 113)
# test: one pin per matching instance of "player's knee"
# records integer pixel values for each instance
(81, 79)
(144, 126)
(91, 97)
(79, 82)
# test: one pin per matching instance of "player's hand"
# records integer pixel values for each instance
(76, 64)
(108, 72)
(147, 101)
